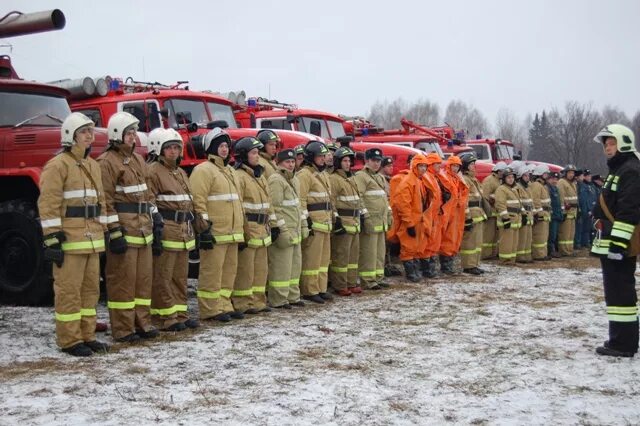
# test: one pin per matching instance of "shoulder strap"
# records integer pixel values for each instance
(86, 172)
(605, 209)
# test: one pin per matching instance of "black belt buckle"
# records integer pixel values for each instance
(143, 208)
(90, 210)
(183, 216)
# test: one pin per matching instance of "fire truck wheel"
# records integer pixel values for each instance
(194, 263)
(25, 277)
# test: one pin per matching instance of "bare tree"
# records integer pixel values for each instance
(635, 126)
(467, 118)
(611, 115)
(388, 114)
(510, 128)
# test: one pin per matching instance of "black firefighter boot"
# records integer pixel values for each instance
(433, 267)
(410, 271)
(427, 267)
(446, 265)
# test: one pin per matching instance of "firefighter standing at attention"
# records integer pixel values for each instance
(72, 215)
(129, 213)
(471, 249)
(567, 190)
(174, 238)
(541, 212)
(509, 217)
(219, 223)
(490, 231)
(270, 145)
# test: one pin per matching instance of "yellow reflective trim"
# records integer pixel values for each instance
(540, 245)
(379, 271)
(203, 294)
(471, 251)
(68, 317)
(182, 245)
(323, 269)
(242, 292)
(259, 242)
(321, 227)
(83, 245)
(143, 302)
(339, 269)
(351, 229)
(139, 240)
(296, 240)
(621, 234)
(88, 312)
(258, 289)
(294, 281)
(367, 273)
(623, 310)
(507, 256)
(623, 226)
(352, 266)
(279, 284)
(165, 311)
(378, 228)
(225, 293)
(622, 318)
(121, 305)
(237, 238)
(310, 272)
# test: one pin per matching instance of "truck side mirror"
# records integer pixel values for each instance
(292, 118)
(314, 128)
(164, 112)
(217, 123)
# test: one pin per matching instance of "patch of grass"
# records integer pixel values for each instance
(311, 353)
(137, 369)
(347, 367)
(399, 406)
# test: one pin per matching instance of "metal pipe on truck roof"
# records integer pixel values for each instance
(16, 23)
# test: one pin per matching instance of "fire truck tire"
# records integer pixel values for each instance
(194, 263)
(25, 277)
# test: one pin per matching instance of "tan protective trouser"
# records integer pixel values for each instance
(371, 258)
(129, 290)
(507, 245)
(471, 247)
(489, 238)
(566, 233)
(284, 274)
(524, 244)
(216, 278)
(316, 255)
(76, 287)
(169, 295)
(251, 279)
(540, 236)
(343, 270)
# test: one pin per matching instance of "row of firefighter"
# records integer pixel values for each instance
(271, 232)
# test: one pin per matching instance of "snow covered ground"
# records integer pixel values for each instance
(512, 347)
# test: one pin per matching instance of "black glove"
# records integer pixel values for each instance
(207, 240)
(506, 224)
(564, 217)
(53, 247)
(525, 220)
(362, 219)
(310, 225)
(411, 231)
(275, 233)
(117, 243)
(616, 252)
(158, 227)
(468, 224)
(339, 228)
(242, 246)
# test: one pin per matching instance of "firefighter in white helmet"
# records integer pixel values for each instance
(509, 217)
(174, 237)
(260, 228)
(525, 233)
(541, 212)
(219, 223)
(72, 215)
(617, 215)
(568, 191)
(285, 255)
(489, 231)
(130, 206)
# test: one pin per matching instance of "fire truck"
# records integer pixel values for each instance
(30, 118)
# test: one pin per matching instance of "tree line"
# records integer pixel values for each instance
(559, 136)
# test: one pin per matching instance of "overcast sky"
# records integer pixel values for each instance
(342, 56)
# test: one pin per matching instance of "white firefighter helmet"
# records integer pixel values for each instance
(531, 168)
(540, 170)
(71, 124)
(119, 123)
(624, 137)
(520, 169)
(215, 137)
(159, 138)
(154, 140)
(515, 165)
(499, 166)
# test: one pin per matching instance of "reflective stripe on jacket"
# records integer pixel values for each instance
(508, 205)
(541, 200)
(284, 189)
(474, 209)
(374, 192)
(346, 200)
(568, 197)
(256, 202)
(315, 191)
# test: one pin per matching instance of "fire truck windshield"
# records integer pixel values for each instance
(307, 124)
(504, 152)
(336, 129)
(482, 151)
(32, 109)
(183, 111)
(430, 147)
(222, 112)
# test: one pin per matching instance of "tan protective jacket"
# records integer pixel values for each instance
(64, 185)
(170, 186)
(508, 205)
(216, 198)
(568, 197)
(256, 202)
(526, 201)
(374, 191)
(315, 198)
(541, 200)
(284, 188)
(346, 200)
(489, 186)
(267, 164)
(128, 199)
(474, 210)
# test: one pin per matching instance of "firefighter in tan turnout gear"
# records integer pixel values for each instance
(260, 228)
(471, 248)
(129, 206)
(541, 212)
(343, 270)
(219, 223)
(315, 202)
(490, 230)
(523, 254)
(270, 145)
(509, 217)
(174, 236)
(285, 256)
(569, 202)
(72, 215)
(374, 191)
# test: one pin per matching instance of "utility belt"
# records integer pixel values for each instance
(349, 212)
(137, 208)
(546, 208)
(260, 218)
(88, 211)
(528, 208)
(475, 203)
(514, 210)
(318, 206)
(178, 216)
(573, 205)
